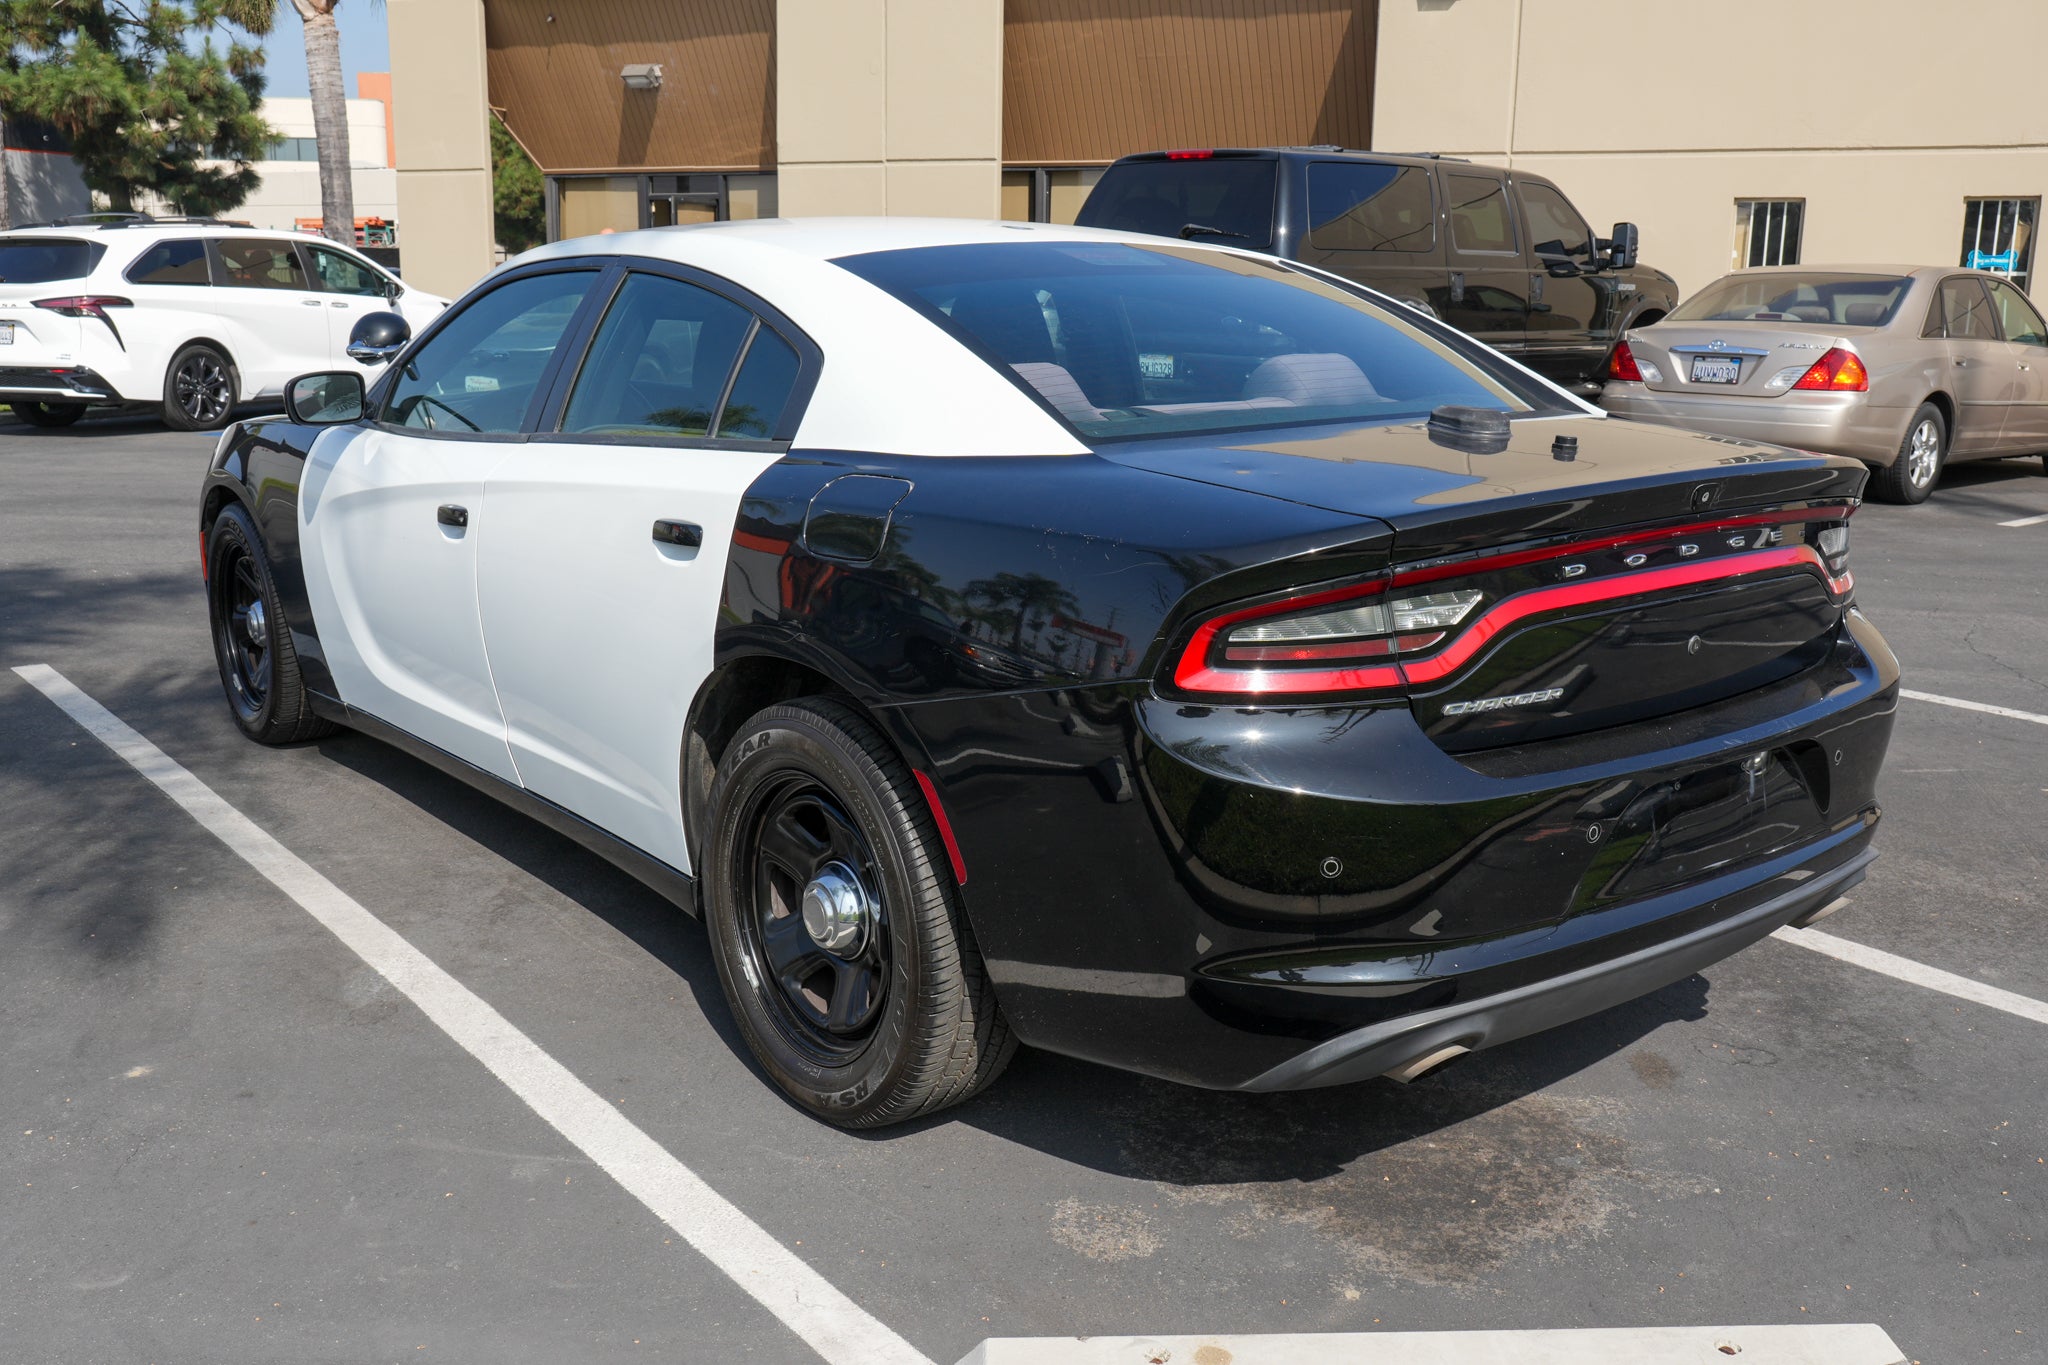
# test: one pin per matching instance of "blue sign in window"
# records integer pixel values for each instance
(2007, 261)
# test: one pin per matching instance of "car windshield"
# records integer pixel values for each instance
(1829, 297)
(1128, 340)
(43, 260)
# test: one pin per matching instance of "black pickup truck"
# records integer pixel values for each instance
(1496, 253)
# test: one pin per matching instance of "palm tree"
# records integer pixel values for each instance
(330, 118)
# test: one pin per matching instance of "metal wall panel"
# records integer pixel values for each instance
(1086, 81)
(554, 73)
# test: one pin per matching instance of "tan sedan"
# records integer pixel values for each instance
(1904, 367)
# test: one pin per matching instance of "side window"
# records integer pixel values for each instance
(258, 263)
(479, 372)
(659, 362)
(1357, 206)
(754, 409)
(180, 262)
(1555, 228)
(2021, 322)
(334, 273)
(1965, 311)
(1479, 214)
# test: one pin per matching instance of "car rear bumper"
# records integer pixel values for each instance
(1241, 898)
(1832, 423)
(30, 384)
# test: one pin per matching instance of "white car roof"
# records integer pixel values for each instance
(893, 382)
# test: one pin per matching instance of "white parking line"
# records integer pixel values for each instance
(2026, 521)
(1919, 974)
(833, 1325)
(1988, 710)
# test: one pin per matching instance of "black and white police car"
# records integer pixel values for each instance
(1155, 652)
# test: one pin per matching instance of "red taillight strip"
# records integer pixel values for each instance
(1515, 558)
(1525, 604)
(1194, 674)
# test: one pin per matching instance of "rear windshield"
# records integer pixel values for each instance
(1128, 340)
(1227, 199)
(1828, 297)
(43, 260)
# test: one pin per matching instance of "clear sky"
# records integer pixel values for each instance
(365, 46)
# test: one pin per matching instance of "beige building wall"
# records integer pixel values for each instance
(1665, 117)
(440, 104)
(889, 106)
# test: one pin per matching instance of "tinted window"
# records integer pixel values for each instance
(1966, 314)
(479, 372)
(1130, 341)
(1479, 213)
(1797, 296)
(41, 260)
(256, 263)
(2016, 315)
(660, 361)
(1555, 228)
(1354, 206)
(1233, 195)
(335, 273)
(182, 262)
(759, 395)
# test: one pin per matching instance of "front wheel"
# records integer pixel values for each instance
(836, 926)
(1911, 476)
(259, 669)
(199, 389)
(49, 414)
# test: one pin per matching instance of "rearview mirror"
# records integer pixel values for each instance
(378, 338)
(325, 399)
(1622, 254)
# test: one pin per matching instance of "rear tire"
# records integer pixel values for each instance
(200, 388)
(1912, 474)
(899, 1019)
(259, 670)
(49, 414)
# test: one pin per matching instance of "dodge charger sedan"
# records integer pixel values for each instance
(1155, 652)
(1906, 368)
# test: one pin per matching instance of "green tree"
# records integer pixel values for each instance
(147, 91)
(330, 118)
(518, 197)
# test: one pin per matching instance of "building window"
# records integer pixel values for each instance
(583, 205)
(1767, 231)
(294, 149)
(1047, 194)
(1998, 235)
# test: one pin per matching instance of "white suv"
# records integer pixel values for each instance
(190, 315)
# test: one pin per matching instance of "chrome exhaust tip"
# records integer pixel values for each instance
(1415, 1068)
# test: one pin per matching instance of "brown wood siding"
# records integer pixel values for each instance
(1087, 81)
(554, 72)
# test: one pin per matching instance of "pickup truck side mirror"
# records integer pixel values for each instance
(1621, 253)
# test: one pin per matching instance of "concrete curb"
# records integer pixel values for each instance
(1805, 1344)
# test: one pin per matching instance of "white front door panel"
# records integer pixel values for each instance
(598, 636)
(394, 590)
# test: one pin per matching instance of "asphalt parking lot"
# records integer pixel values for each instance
(230, 1139)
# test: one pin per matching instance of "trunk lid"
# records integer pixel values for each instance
(1699, 357)
(1654, 571)
(38, 267)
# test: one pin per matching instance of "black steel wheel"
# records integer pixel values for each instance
(199, 389)
(258, 669)
(49, 414)
(836, 925)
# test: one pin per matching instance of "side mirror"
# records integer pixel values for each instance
(1622, 254)
(325, 399)
(378, 338)
(392, 290)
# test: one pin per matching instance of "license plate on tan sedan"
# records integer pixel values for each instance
(1716, 369)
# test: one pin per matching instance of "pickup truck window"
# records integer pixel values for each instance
(1359, 206)
(1226, 200)
(1554, 225)
(1479, 214)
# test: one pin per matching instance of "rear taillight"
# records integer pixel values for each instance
(86, 306)
(1838, 371)
(1411, 628)
(1621, 364)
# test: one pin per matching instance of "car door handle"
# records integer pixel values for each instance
(687, 534)
(310, 303)
(338, 303)
(448, 514)
(1962, 363)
